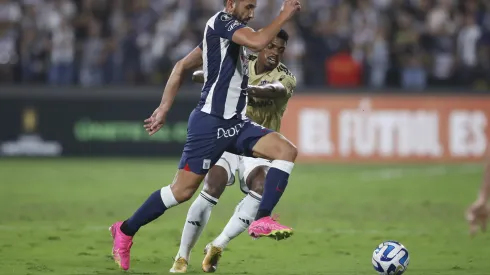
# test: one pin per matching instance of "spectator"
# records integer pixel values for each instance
(441, 23)
(94, 56)
(10, 14)
(413, 73)
(62, 49)
(343, 70)
(378, 59)
(8, 54)
(396, 43)
(295, 53)
(54, 13)
(33, 49)
(468, 38)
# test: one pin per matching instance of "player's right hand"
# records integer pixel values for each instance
(155, 121)
(290, 7)
(477, 216)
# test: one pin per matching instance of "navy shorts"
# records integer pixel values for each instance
(208, 137)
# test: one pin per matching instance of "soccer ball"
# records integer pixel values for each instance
(390, 258)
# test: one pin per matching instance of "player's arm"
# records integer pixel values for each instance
(270, 90)
(485, 187)
(284, 87)
(192, 61)
(256, 40)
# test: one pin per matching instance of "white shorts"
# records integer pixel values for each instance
(243, 165)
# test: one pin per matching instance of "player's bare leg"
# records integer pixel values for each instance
(198, 215)
(275, 147)
(182, 189)
(244, 214)
(478, 213)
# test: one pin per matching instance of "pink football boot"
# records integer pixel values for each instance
(122, 246)
(269, 227)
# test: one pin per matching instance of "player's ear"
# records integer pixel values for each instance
(227, 2)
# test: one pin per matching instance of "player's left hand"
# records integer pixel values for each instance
(477, 216)
(155, 121)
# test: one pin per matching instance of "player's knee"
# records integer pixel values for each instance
(256, 179)
(257, 186)
(214, 190)
(183, 194)
(288, 151)
(186, 195)
(185, 184)
(215, 182)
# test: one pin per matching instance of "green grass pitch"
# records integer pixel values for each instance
(54, 216)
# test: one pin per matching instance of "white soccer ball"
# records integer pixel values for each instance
(390, 258)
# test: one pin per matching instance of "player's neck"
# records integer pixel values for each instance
(227, 11)
(261, 68)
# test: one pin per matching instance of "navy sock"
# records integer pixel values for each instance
(151, 209)
(274, 186)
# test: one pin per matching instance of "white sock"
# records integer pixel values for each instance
(168, 198)
(197, 218)
(242, 218)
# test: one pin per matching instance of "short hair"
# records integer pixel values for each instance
(283, 35)
(225, 1)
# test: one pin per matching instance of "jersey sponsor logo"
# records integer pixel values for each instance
(230, 132)
(260, 103)
(233, 25)
(225, 17)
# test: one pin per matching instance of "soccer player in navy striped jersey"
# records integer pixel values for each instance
(218, 124)
(271, 85)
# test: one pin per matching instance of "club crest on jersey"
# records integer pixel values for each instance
(206, 164)
(225, 17)
(263, 82)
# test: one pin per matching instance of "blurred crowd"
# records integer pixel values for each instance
(376, 43)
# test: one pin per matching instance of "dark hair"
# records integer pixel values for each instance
(283, 35)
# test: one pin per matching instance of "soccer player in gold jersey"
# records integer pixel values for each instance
(271, 85)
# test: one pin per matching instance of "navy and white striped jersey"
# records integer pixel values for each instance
(225, 66)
